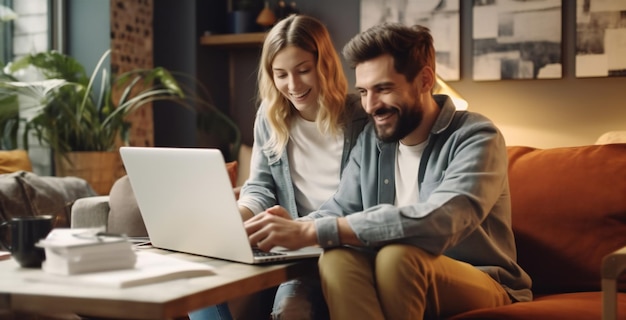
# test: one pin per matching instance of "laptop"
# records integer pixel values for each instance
(188, 205)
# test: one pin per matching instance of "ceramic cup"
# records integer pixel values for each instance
(24, 233)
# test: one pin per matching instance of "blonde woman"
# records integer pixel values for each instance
(304, 131)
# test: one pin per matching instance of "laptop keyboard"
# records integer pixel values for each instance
(260, 253)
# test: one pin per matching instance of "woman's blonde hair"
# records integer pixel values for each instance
(311, 35)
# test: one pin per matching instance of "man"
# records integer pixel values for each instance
(420, 226)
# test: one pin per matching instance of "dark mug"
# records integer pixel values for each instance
(25, 232)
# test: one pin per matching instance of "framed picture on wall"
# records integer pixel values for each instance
(600, 38)
(517, 39)
(440, 16)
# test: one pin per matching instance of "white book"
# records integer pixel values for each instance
(78, 241)
(150, 268)
(87, 263)
(74, 251)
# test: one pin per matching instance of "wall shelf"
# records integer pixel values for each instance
(237, 46)
(233, 40)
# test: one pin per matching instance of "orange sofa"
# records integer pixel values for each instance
(568, 213)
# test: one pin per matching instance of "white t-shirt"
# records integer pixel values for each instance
(407, 167)
(314, 164)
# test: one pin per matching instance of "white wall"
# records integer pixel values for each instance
(550, 113)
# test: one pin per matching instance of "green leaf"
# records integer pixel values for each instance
(53, 64)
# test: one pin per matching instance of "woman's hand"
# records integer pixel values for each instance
(274, 227)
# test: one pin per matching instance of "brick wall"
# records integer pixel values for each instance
(132, 48)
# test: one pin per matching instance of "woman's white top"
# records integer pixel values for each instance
(314, 164)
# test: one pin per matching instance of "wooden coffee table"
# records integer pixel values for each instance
(164, 300)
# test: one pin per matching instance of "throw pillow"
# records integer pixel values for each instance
(124, 216)
(231, 167)
(14, 160)
(568, 210)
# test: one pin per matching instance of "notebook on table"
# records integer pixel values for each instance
(187, 204)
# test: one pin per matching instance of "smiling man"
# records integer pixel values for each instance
(420, 226)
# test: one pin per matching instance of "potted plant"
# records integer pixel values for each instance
(71, 112)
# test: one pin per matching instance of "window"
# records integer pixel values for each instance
(29, 31)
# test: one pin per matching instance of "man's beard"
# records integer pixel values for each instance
(407, 120)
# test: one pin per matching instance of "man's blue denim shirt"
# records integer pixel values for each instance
(464, 210)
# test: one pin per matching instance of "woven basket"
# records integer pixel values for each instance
(100, 168)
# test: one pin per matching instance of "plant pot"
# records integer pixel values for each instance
(99, 168)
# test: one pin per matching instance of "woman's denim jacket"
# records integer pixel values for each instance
(269, 182)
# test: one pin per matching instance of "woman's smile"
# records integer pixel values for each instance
(299, 95)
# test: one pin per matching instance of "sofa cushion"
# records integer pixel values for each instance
(125, 217)
(14, 160)
(568, 211)
(567, 306)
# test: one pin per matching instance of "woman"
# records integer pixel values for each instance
(304, 131)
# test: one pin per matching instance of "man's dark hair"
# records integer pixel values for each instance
(411, 47)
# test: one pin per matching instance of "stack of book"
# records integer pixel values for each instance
(77, 251)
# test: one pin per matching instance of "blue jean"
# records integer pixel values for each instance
(216, 312)
(300, 298)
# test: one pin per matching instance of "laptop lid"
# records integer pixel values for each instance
(187, 203)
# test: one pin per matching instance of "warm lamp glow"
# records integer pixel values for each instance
(441, 87)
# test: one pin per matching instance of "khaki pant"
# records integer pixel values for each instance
(403, 282)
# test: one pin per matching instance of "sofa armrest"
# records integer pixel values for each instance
(613, 265)
(90, 212)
